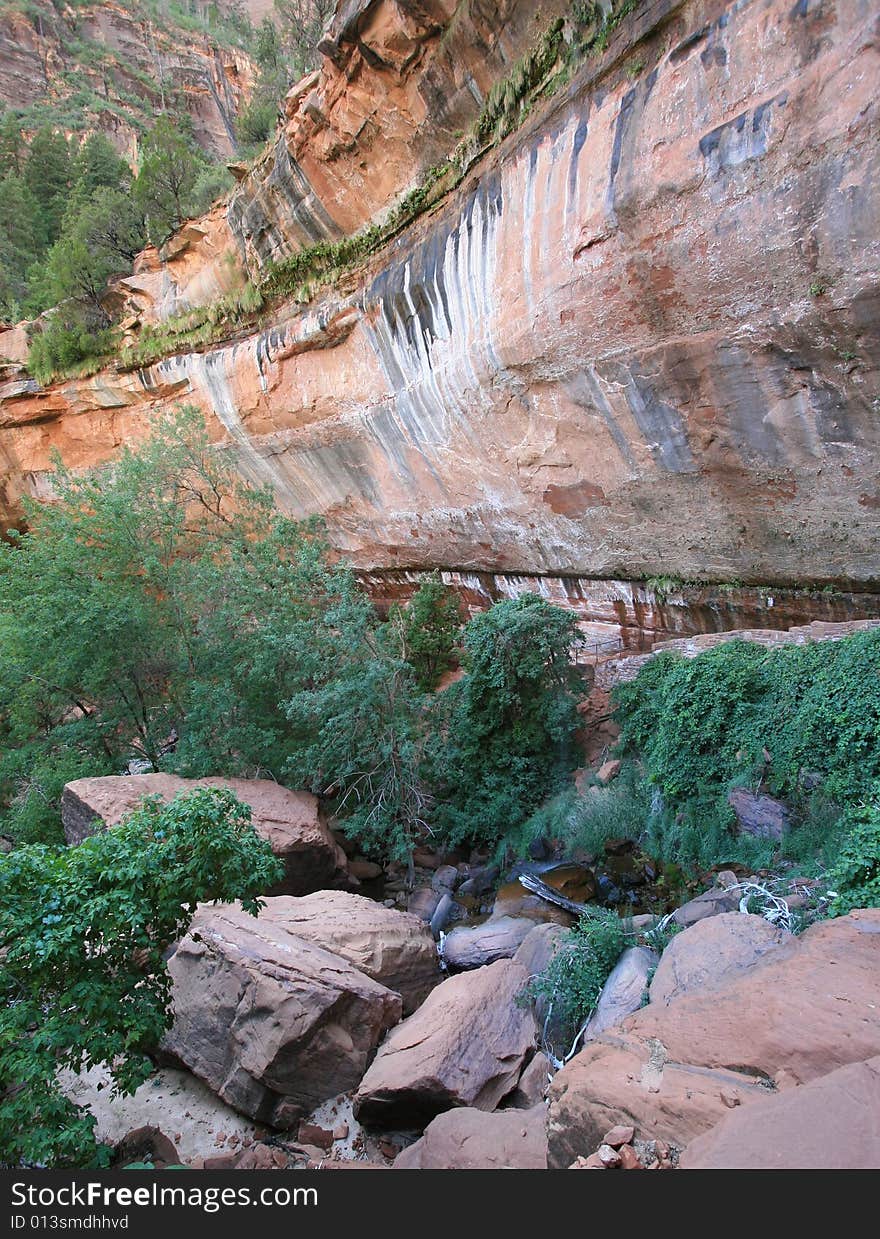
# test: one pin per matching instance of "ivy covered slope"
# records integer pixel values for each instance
(799, 722)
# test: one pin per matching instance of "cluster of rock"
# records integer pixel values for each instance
(726, 1050)
(741, 1015)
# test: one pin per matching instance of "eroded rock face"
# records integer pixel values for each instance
(398, 84)
(291, 822)
(711, 952)
(394, 948)
(464, 1046)
(673, 1072)
(828, 1124)
(210, 81)
(272, 1023)
(469, 1139)
(601, 356)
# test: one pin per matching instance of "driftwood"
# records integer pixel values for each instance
(543, 891)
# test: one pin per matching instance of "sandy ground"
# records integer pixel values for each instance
(187, 1112)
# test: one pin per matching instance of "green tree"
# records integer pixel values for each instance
(504, 734)
(302, 23)
(169, 169)
(99, 241)
(157, 594)
(359, 734)
(83, 935)
(97, 165)
(855, 876)
(22, 239)
(48, 173)
(11, 143)
(429, 627)
(64, 343)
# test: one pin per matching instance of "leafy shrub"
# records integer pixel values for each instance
(66, 343)
(740, 713)
(429, 627)
(586, 821)
(855, 877)
(83, 932)
(573, 980)
(504, 734)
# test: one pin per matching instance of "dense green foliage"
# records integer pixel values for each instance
(162, 610)
(572, 981)
(855, 874)
(786, 718)
(156, 593)
(504, 734)
(83, 932)
(429, 629)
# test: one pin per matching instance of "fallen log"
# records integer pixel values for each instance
(543, 891)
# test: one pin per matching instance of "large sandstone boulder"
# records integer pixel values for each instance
(673, 1072)
(624, 991)
(272, 1023)
(464, 1046)
(711, 903)
(469, 1139)
(473, 946)
(829, 1124)
(291, 822)
(394, 948)
(539, 946)
(711, 952)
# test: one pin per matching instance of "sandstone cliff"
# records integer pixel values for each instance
(114, 65)
(639, 338)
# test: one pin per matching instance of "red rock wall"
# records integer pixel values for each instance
(641, 339)
(208, 81)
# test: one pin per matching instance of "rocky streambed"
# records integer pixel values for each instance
(361, 1023)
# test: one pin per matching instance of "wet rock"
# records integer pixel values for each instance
(759, 815)
(538, 947)
(673, 1072)
(624, 991)
(827, 1124)
(423, 903)
(479, 880)
(423, 858)
(445, 913)
(364, 870)
(291, 822)
(469, 1139)
(711, 952)
(394, 948)
(465, 1046)
(472, 946)
(272, 1023)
